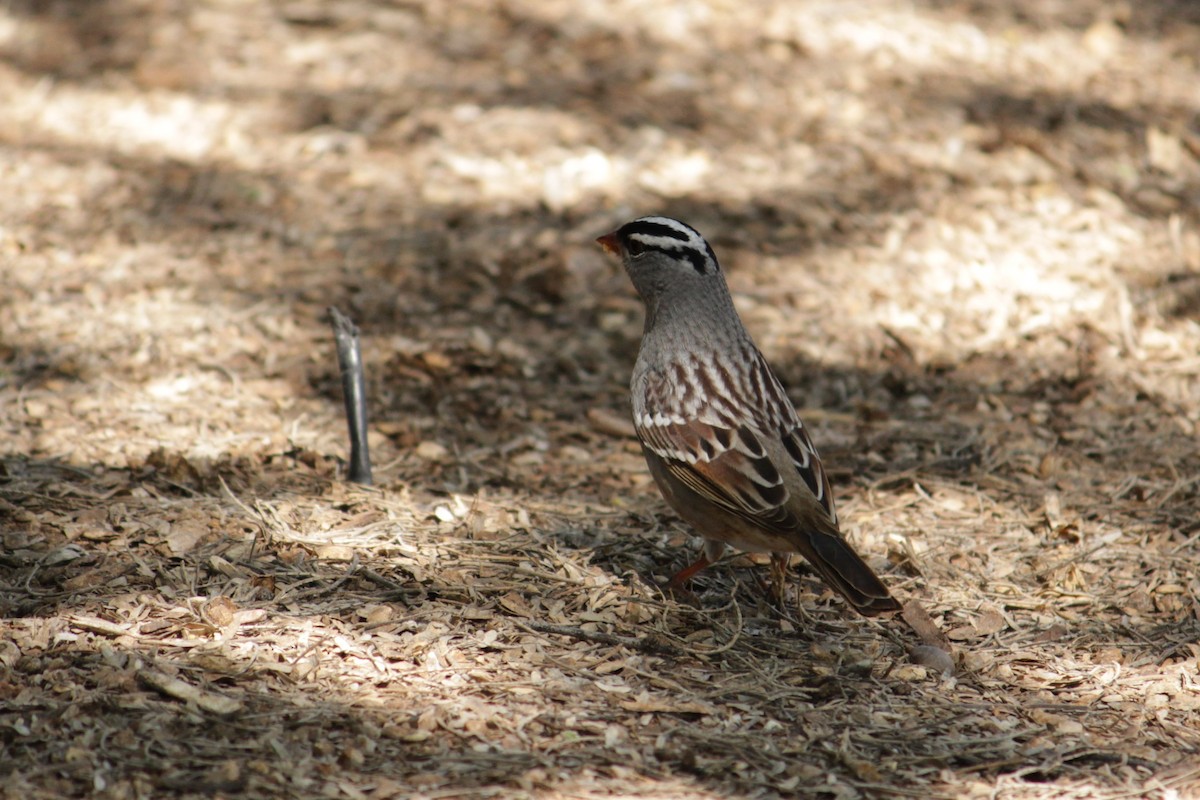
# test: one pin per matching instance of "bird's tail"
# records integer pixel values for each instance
(847, 574)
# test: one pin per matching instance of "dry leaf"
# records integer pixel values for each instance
(923, 625)
(990, 620)
(1051, 634)
(516, 604)
(185, 533)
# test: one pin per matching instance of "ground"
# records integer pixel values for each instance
(965, 234)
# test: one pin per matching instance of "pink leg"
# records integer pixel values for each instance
(684, 575)
(779, 566)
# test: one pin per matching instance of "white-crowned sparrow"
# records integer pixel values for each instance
(722, 439)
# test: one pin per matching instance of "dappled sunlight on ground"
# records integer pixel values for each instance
(964, 233)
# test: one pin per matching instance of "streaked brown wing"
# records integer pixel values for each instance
(729, 467)
(715, 446)
(804, 456)
(775, 412)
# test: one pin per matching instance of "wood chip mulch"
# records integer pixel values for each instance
(966, 234)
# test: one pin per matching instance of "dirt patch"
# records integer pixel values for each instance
(965, 234)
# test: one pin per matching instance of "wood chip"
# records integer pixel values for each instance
(180, 690)
(965, 235)
(607, 422)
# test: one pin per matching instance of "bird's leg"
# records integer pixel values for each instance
(796, 614)
(684, 575)
(779, 566)
(711, 553)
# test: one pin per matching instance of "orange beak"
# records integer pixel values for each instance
(610, 244)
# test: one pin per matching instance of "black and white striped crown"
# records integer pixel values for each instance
(669, 236)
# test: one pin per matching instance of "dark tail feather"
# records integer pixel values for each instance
(847, 574)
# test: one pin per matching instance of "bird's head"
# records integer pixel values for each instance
(663, 254)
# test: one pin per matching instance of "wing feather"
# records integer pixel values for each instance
(723, 456)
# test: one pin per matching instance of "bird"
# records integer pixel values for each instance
(722, 439)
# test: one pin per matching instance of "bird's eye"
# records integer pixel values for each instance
(635, 248)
